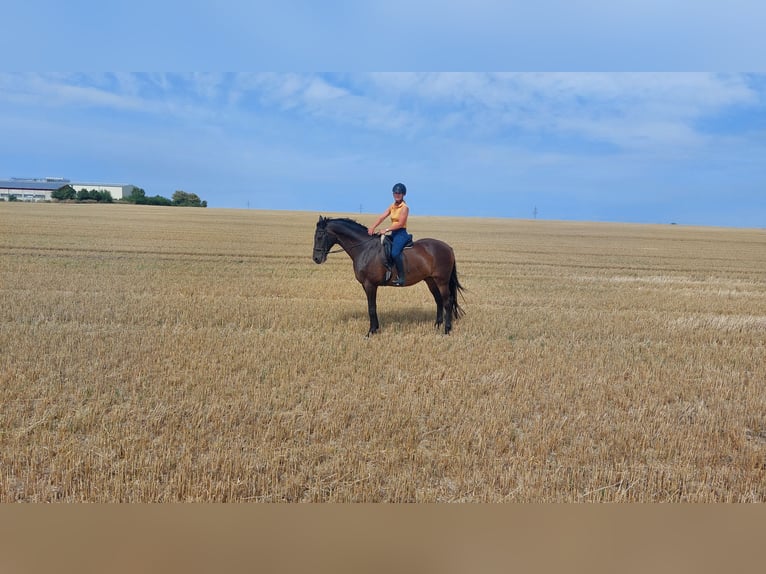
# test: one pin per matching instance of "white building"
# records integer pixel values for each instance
(40, 189)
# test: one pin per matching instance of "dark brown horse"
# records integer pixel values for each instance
(429, 260)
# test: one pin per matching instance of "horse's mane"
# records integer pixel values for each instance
(352, 222)
(344, 220)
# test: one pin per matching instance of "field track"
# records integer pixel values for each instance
(179, 354)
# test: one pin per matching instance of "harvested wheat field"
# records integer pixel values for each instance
(171, 354)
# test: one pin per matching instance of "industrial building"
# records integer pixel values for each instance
(40, 189)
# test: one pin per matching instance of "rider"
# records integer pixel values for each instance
(398, 211)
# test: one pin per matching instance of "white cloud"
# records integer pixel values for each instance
(629, 111)
(625, 110)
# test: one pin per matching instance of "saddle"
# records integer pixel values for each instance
(388, 243)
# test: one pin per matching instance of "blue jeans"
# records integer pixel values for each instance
(400, 238)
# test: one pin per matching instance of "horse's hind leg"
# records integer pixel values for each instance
(447, 311)
(447, 304)
(434, 288)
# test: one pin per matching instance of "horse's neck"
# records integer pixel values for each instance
(349, 237)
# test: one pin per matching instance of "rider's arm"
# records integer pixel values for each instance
(380, 219)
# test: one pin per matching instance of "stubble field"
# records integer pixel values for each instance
(169, 354)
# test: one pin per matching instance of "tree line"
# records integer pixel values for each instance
(67, 192)
(179, 199)
(138, 196)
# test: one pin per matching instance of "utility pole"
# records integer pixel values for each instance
(534, 212)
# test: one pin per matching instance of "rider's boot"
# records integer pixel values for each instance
(399, 261)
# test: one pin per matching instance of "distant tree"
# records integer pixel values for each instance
(157, 200)
(83, 194)
(63, 193)
(138, 195)
(101, 195)
(184, 199)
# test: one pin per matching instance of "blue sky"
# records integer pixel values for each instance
(658, 146)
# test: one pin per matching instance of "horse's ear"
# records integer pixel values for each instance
(322, 221)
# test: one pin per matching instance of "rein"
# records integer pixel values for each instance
(341, 250)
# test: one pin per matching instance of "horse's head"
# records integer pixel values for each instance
(323, 240)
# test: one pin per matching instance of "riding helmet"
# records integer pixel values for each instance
(400, 187)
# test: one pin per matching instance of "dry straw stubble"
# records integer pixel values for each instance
(158, 354)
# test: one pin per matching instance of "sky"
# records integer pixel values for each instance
(656, 145)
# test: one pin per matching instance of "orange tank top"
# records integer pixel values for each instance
(395, 210)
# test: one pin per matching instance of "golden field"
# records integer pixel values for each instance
(171, 354)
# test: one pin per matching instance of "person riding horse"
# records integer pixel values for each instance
(429, 260)
(398, 211)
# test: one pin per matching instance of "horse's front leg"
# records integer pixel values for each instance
(371, 289)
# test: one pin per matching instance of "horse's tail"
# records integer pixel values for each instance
(454, 288)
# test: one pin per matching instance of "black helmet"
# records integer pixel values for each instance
(400, 188)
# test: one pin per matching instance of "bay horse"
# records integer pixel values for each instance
(428, 260)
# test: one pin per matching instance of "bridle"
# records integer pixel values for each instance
(322, 241)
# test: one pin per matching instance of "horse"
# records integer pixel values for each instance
(429, 260)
